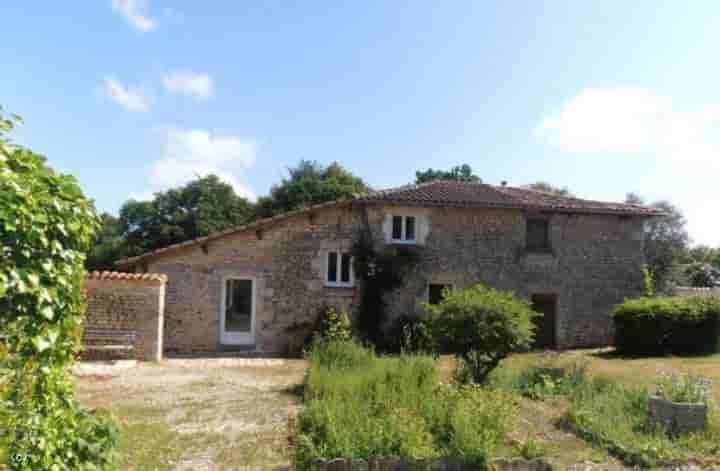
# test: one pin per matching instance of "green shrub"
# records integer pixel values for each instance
(46, 226)
(481, 326)
(333, 325)
(329, 323)
(530, 449)
(536, 383)
(667, 325)
(380, 406)
(410, 335)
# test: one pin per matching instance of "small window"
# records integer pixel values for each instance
(435, 292)
(538, 237)
(403, 229)
(339, 269)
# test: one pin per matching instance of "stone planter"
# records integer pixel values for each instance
(678, 417)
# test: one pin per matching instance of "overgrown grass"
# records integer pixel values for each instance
(615, 417)
(359, 405)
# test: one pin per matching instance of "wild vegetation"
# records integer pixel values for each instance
(359, 405)
(46, 226)
(614, 416)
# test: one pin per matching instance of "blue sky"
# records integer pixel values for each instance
(602, 97)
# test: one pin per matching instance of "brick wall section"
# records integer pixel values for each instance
(122, 301)
(595, 263)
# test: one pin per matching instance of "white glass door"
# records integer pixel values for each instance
(237, 312)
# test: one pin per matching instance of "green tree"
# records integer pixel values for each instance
(310, 183)
(203, 206)
(481, 326)
(666, 241)
(109, 244)
(462, 173)
(548, 188)
(46, 227)
(703, 254)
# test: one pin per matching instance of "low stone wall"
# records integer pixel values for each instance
(687, 291)
(398, 464)
(126, 302)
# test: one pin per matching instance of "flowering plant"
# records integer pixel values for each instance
(687, 387)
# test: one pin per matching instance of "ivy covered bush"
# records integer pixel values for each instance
(667, 325)
(46, 226)
(481, 326)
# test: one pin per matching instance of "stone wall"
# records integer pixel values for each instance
(286, 261)
(595, 263)
(689, 291)
(128, 302)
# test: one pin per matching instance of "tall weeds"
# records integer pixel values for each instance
(359, 405)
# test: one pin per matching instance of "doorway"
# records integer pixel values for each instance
(545, 304)
(237, 312)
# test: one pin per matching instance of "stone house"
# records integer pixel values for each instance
(247, 287)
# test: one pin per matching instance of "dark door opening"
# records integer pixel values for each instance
(546, 304)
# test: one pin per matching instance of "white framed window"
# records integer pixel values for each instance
(404, 229)
(338, 270)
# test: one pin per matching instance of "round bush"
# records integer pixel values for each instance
(481, 326)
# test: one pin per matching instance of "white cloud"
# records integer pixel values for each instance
(141, 195)
(132, 98)
(189, 83)
(678, 142)
(197, 152)
(134, 13)
(634, 120)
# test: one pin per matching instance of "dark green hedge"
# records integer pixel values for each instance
(667, 325)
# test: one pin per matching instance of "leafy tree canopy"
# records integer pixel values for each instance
(548, 188)
(666, 241)
(109, 244)
(193, 210)
(462, 173)
(310, 183)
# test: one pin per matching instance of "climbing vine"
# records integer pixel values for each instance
(46, 226)
(379, 273)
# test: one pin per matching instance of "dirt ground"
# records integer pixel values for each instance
(198, 414)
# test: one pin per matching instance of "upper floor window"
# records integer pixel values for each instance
(403, 229)
(339, 269)
(538, 235)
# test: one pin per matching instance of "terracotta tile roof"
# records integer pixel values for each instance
(231, 230)
(436, 193)
(116, 275)
(471, 194)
